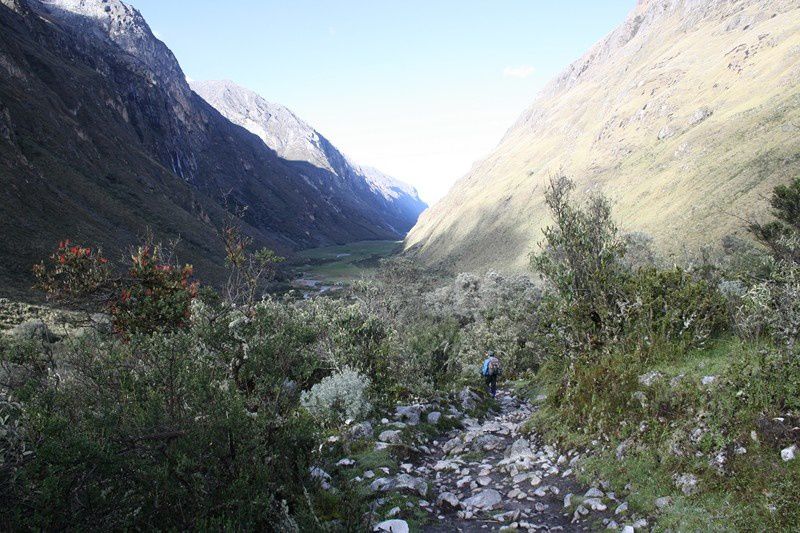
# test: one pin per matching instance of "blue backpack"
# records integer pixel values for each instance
(490, 369)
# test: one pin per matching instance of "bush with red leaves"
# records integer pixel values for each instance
(154, 295)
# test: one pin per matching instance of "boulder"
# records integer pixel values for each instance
(485, 500)
(409, 413)
(468, 399)
(391, 436)
(362, 430)
(487, 442)
(401, 483)
(521, 448)
(448, 500)
(392, 526)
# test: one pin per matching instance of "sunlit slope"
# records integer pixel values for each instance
(686, 116)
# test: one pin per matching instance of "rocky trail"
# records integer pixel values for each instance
(487, 476)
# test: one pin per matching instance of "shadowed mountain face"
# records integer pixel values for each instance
(294, 140)
(687, 115)
(101, 138)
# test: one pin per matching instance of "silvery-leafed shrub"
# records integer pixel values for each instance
(338, 397)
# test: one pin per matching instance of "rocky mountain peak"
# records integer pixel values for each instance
(293, 138)
(123, 25)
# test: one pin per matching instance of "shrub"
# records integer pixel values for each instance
(338, 397)
(155, 295)
(581, 260)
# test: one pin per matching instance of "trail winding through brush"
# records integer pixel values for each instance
(487, 476)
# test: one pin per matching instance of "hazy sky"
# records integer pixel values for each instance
(419, 89)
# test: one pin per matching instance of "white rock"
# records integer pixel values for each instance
(621, 508)
(663, 502)
(392, 526)
(448, 499)
(485, 500)
(391, 436)
(788, 454)
(594, 493)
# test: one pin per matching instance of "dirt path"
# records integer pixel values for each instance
(487, 476)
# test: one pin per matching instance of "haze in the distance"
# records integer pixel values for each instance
(418, 89)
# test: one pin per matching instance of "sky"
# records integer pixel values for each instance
(418, 89)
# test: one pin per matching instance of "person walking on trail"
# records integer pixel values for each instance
(491, 371)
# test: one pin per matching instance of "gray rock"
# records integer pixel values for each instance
(409, 413)
(663, 502)
(595, 504)
(621, 508)
(467, 399)
(594, 493)
(434, 417)
(521, 448)
(708, 380)
(448, 500)
(452, 445)
(392, 526)
(487, 442)
(485, 500)
(649, 378)
(391, 436)
(789, 454)
(687, 483)
(362, 430)
(401, 483)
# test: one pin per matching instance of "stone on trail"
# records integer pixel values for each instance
(484, 480)
(392, 526)
(594, 504)
(448, 500)
(485, 500)
(519, 449)
(488, 442)
(594, 493)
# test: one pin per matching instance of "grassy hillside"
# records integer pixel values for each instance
(686, 116)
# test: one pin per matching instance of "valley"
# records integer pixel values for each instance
(213, 319)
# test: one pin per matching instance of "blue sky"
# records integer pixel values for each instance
(418, 89)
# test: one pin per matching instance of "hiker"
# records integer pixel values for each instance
(491, 371)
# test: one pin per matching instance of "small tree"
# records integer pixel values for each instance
(581, 258)
(247, 271)
(782, 235)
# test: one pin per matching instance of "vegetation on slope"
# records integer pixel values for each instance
(680, 385)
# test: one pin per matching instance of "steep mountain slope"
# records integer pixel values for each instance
(686, 115)
(294, 140)
(101, 137)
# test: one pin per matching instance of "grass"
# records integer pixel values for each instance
(346, 262)
(682, 427)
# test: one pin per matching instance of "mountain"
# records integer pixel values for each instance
(294, 140)
(686, 116)
(102, 138)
